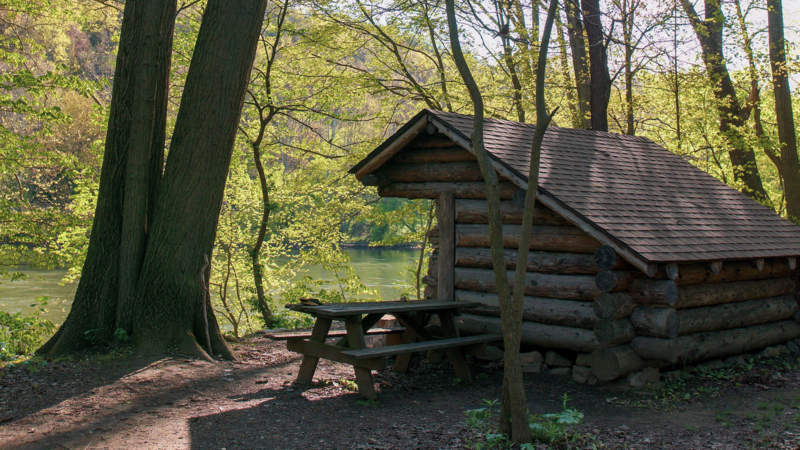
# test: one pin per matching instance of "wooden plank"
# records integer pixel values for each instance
(574, 287)
(758, 269)
(448, 153)
(612, 363)
(309, 364)
(613, 332)
(438, 344)
(550, 262)
(545, 237)
(614, 306)
(655, 321)
(337, 310)
(570, 313)
(477, 212)
(447, 246)
(331, 352)
(473, 189)
(613, 280)
(715, 344)
(739, 314)
(355, 339)
(286, 335)
(431, 172)
(537, 334)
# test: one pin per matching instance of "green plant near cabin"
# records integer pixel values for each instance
(551, 429)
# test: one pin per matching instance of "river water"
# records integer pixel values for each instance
(384, 270)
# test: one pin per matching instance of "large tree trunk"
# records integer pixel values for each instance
(172, 309)
(600, 81)
(731, 115)
(577, 44)
(789, 167)
(132, 164)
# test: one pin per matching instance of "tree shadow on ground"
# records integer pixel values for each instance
(140, 391)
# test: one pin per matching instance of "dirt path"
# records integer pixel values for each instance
(178, 403)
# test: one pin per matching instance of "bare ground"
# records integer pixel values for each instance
(251, 403)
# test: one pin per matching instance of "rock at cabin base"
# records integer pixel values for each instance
(531, 362)
(553, 359)
(773, 351)
(560, 371)
(583, 359)
(647, 376)
(489, 353)
(581, 374)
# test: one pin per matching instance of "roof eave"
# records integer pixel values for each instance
(392, 145)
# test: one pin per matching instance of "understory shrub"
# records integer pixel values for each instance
(22, 334)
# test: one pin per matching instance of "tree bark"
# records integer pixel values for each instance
(512, 377)
(600, 80)
(732, 116)
(132, 165)
(790, 169)
(577, 44)
(169, 293)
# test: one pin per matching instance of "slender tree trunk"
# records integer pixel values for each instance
(255, 252)
(421, 259)
(675, 81)
(575, 113)
(577, 44)
(170, 311)
(731, 115)
(438, 55)
(600, 81)
(516, 96)
(128, 182)
(519, 430)
(783, 109)
(627, 32)
(513, 388)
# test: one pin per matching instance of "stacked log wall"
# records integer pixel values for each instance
(561, 284)
(706, 312)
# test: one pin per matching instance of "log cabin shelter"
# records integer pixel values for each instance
(638, 258)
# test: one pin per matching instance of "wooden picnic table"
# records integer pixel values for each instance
(359, 320)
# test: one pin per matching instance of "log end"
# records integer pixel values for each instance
(605, 257)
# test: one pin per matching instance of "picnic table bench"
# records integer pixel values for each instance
(359, 320)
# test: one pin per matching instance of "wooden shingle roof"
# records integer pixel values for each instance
(641, 197)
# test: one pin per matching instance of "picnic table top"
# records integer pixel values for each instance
(357, 308)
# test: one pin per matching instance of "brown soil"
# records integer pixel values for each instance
(251, 403)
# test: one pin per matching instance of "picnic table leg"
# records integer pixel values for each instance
(402, 361)
(455, 355)
(355, 339)
(309, 364)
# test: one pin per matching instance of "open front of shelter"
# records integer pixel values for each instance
(638, 259)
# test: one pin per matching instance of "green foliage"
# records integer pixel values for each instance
(555, 428)
(552, 429)
(21, 335)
